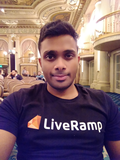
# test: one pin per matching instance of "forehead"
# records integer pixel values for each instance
(59, 43)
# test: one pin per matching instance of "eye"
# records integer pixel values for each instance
(69, 56)
(50, 57)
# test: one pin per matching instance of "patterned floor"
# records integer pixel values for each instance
(116, 98)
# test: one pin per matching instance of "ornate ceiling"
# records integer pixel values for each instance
(17, 2)
(28, 16)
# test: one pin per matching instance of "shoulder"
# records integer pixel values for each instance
(34, 89)
(98, 97)
(25, 96)
(33, 92)
(19, 76)
(37, 91)
(89, 91)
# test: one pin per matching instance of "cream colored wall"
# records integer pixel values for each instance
(105, 7)
(23, 38)
(4, 38)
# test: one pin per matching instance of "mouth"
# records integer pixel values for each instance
(60, 77)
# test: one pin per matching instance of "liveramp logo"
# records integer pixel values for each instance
(73, 125)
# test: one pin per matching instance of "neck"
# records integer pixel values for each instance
(68, 93)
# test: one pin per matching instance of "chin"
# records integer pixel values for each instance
(61, 86)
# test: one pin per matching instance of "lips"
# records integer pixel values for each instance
(60, 77)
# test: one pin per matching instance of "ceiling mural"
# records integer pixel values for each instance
(64, 16)
(28, 16)
(17, 2)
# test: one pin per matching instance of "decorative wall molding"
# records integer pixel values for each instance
(19, 2)
(24, 18)
(45, 15)
(4, 31)
(19, 12)
(81, 11)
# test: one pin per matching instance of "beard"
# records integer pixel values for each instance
(62, 86)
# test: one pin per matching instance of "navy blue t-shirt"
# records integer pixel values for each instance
(68, 130)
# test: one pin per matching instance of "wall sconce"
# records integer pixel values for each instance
(5, 53)
(98, 61)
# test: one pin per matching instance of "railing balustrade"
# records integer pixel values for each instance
(28, 60)
(4, 60)
(107, 24)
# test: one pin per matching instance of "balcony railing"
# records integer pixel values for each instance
(87, 51)
(4, 61)
(107, 24)
(28, 60)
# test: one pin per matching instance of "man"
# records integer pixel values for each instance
(58, 120)
(11, 75)
(1, 76)
(18, 76)
(40, 76)
(25, 72)
(14, 75)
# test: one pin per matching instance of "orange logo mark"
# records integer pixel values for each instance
(35, 122)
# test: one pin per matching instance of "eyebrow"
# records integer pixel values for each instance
(54, 51)
(49, 51)
(69, 51)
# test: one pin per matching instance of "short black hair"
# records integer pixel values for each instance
(56, 28)
(16, 71)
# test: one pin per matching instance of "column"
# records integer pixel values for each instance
(86, 34)
(38, 56)
(98, 14)
(10, 45)
(84, 73)
(93, 85)
(105, 6)
(17, 55)
(101, 71)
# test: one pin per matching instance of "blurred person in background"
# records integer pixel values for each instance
(14, 75)
(25, 72)
(1, 76)
(40, 76)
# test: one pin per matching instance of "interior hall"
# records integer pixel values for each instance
(97, 23)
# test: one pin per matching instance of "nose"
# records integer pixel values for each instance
(60, 64)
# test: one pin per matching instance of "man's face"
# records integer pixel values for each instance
(13, 73)
(39, 73)
(59, 61)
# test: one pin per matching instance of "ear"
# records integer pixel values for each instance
(78, 58)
